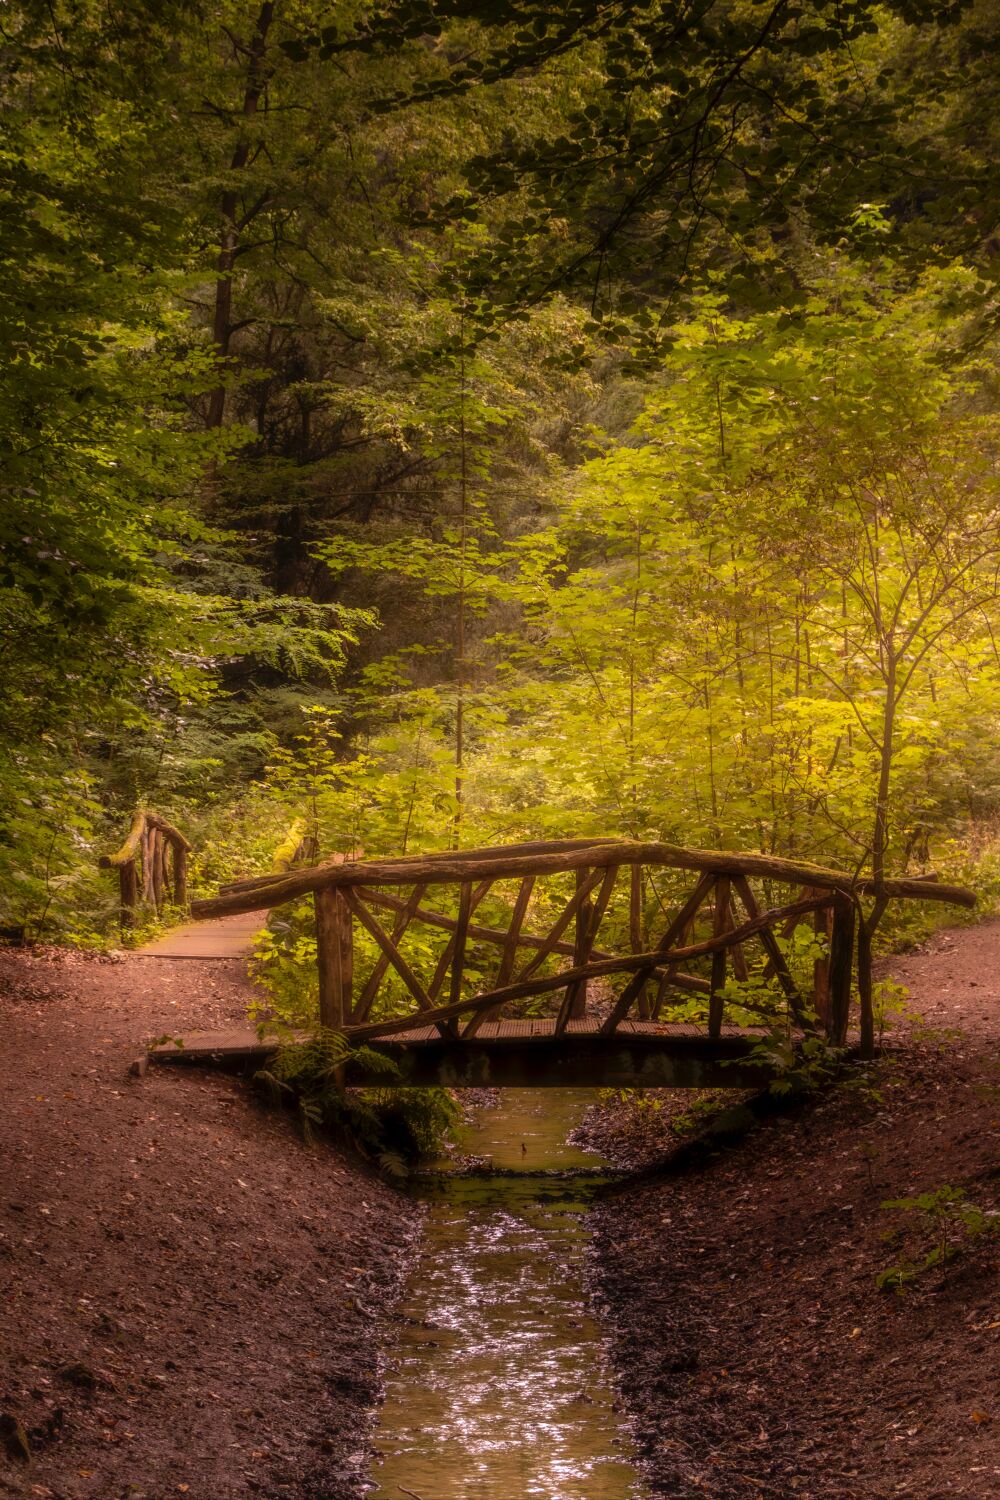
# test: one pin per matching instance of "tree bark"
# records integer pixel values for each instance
(231, 228)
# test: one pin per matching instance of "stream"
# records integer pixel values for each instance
(498, 1385)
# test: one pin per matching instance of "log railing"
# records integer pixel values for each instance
(716, 925)
(296, 848)
(152, 866)
(152, 863)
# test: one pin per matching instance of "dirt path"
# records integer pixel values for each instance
(190, 1299)
(755, 1350)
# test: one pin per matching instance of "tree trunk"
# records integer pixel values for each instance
(231, 228)
(880, 831)
(865, 997)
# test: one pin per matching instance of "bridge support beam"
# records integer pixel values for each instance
(574, 1059)
(571, 1061)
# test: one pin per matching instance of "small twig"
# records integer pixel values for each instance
(412, 1493)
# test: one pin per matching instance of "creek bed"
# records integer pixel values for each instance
(498, 1385)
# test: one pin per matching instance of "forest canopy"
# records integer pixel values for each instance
(451, 423)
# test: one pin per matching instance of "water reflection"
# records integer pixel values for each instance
(498, 1386)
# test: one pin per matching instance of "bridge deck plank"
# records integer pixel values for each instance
(495, 1031)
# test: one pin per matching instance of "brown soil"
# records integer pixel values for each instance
(753, 1347)
(191, 1299)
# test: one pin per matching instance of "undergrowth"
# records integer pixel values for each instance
(390, 1125)
(933, 1229)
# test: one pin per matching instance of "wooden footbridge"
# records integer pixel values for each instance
(580, 961)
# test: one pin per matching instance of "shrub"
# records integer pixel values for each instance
(391, 1125)
(946, 1219)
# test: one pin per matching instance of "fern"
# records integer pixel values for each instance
(375, 1062)
(393, 1164)
(387, 1124)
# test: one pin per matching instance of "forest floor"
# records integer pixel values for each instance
(190, 1298)
(754, 1349)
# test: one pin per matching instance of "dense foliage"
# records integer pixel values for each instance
(390, 1125)
(447, 422)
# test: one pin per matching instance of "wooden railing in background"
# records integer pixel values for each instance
(296, 848)
(152, 866)
(348, 893)
(152, 863)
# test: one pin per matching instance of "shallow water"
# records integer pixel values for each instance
(498, 1386)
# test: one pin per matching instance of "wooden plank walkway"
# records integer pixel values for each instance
(226, 937)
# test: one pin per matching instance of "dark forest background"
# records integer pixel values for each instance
(452, 422)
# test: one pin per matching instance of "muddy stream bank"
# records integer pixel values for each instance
(498, 1382)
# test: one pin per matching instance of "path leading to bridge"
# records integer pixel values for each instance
(225, 937)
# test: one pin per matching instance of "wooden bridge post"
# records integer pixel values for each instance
(635, 930)
(156, 867)
(334, 957)
(465, 900)
(146, 850)
(716, 1001)
(841, 970)
(578, 1000)
(180, 875)
(128, 893)
(823, 927)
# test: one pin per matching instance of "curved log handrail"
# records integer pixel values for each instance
(448, 867)
(143, 820)
(297, 846)
(151, 865)
(491, 852)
